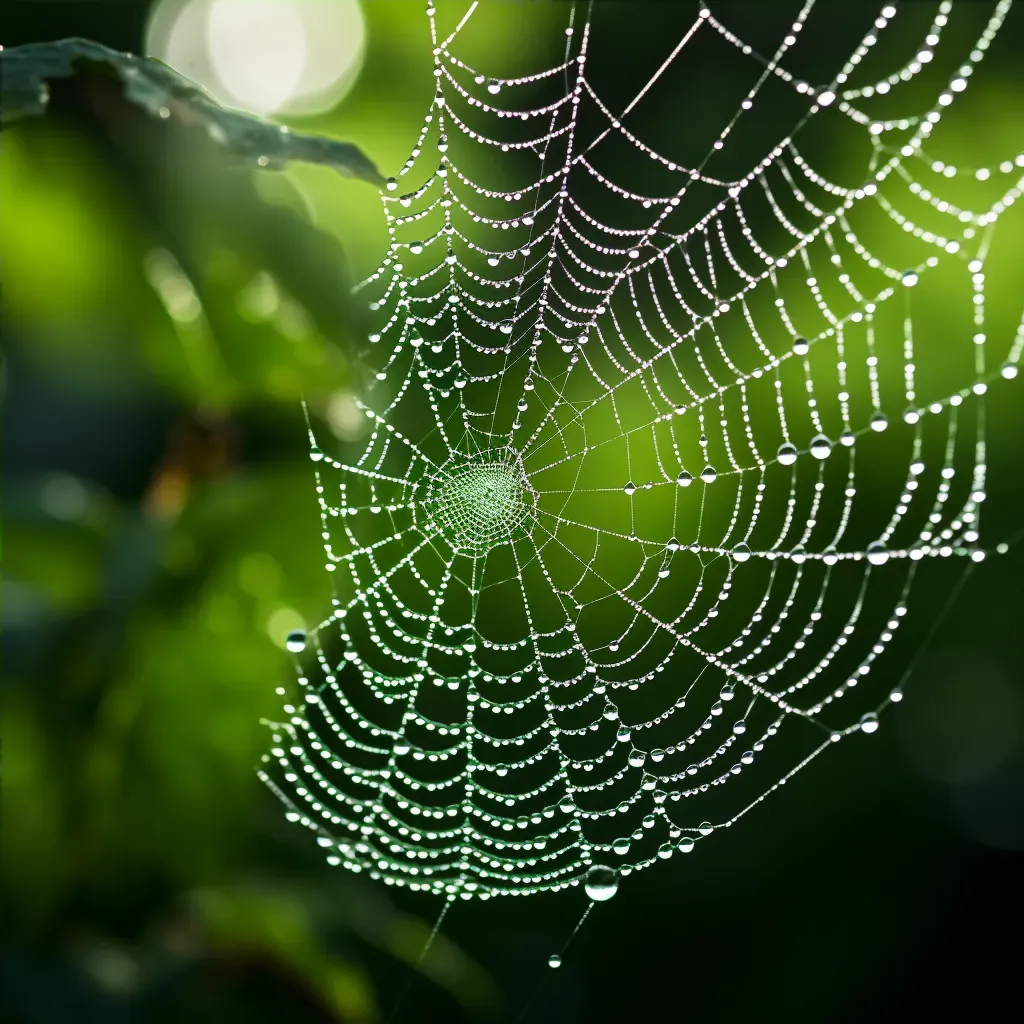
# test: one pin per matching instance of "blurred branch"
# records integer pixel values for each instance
(150, 84)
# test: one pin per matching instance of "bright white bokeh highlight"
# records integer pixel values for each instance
(264, 56)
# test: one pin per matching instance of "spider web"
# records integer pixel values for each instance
(647, 477)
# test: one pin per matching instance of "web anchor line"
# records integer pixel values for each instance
(645, 480)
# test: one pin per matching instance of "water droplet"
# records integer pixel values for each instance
(630, 488)
(494, 88)
(877, 552)
(391, 185)
(878, 422)
(315, 454)
(787, 454)
(739, 728)
(801, 346)
(623, 734)
(601, 882)
(554, 960)
(741, 553)
(637, 758)
(686, 844)
(821, 446)
(705, 828)
(566, 804)
(296, 641)
(869, 722)
(709, 474)
(798, 555)
(621, 846)
(846, 438)
(830, 556)
(909, 278)
(665, 851)
(401, 747)
(684, 479)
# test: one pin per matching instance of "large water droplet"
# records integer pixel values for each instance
(315, 454)
(554, 960)
(621, 846)
(879, 421)
(709, 474)
(684, 479)
(296, 641)
(630, 488)
(705, 828)
(637, 758)
(877, 552)
(801, 346)
(787, 454)
(909, 278)
(601, 882)
(741, 553)
(401, 747)
(821, 446)
(869, 722)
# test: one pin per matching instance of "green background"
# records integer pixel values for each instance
(161, 539)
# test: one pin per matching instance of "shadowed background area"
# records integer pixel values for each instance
(164, 311)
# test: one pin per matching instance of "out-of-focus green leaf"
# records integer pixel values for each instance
(160, 90)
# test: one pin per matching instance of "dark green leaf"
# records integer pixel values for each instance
(160, 90)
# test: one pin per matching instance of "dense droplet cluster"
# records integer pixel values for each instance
(641, 488)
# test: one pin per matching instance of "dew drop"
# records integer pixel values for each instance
(705, 828)
(741, 553)
(391, 184)
(801, 346)
(869, 722)
(637, 758)
(601, 882)
(877, 552)
(621, 846)
(846, 438)
(909, 278)
(709, 474)
(821, 446)
(315, 454)
(296, 641)
(878, 422)
(401, 747)
(554, 960)
(787, 454)
(630, 488)
(684, 479)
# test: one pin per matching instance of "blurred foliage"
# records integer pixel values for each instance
(165, 308)
(162, 92)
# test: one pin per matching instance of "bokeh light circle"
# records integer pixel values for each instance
(264, 56)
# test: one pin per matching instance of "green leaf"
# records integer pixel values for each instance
(25, 72)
